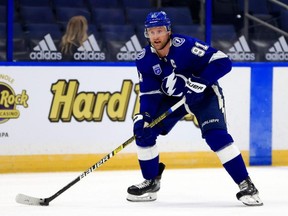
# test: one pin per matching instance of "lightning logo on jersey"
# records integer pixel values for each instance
(173, 84)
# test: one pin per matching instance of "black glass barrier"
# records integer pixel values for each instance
(109, 47)
(3, 32)
(115, 34)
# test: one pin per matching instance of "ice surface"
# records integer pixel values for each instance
(193, 192)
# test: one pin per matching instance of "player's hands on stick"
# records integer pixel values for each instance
(144, 135)
(194, 90)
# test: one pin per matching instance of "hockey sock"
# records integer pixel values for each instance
(236, 169)
(230, 156)
(150, 168)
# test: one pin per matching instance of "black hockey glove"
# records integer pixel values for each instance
(144, 135)
(194, 90)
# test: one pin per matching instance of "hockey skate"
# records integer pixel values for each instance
(248, 194)
(147, 190)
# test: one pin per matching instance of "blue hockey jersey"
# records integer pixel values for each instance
(160, 78)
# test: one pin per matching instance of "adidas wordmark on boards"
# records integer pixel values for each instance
(45, 50)
(89, 50)
(279, 50)
(240, 51)
(130, 50)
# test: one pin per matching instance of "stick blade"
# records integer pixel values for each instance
(28, 200)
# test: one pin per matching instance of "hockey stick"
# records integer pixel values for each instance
(29, 200)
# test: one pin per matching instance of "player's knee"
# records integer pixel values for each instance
(217, 139)
(146, 141)
(222, 143)
(148, 138)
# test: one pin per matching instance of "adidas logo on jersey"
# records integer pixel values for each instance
(130, 50)
(279, 51)
(89, 50)
(240, 51)
(45, 50)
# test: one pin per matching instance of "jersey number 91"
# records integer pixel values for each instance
(199, 49)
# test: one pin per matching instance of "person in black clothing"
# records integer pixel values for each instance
(75, 35)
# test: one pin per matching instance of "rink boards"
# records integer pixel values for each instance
(64, 118)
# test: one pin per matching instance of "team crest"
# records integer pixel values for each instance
(177, 41)
(157, 69)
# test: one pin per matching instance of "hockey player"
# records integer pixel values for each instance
(171, 67)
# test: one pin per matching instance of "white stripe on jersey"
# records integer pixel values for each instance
(151, 92)
(217, 55)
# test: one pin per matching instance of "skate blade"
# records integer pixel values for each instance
(253, 200)
(147, 197)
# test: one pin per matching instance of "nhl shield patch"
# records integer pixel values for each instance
(157, 69)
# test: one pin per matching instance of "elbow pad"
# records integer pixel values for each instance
(216, 69)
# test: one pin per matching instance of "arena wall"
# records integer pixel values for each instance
(66, 118)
